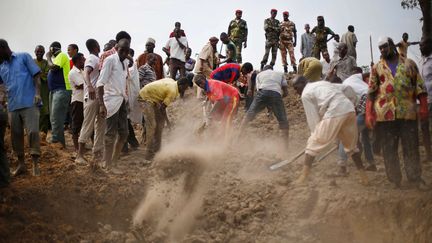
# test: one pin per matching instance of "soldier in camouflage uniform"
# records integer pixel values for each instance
(272, 32)
(321, 32)
(288, 33)
(237, 32)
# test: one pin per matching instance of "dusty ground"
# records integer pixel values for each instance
(198, 190)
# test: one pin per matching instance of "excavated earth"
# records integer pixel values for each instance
(200, 189)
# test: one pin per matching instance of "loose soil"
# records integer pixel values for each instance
(200, 190)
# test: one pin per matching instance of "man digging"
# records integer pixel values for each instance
(330, 115)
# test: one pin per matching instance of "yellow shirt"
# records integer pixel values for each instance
(160, 91)
(63, 62)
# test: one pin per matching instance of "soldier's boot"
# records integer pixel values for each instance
(295, 68)
(285, 69)
(262, 66)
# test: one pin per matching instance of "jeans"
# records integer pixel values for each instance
(27, 118)
(4, 163)
(364, 145)
(272, 99)
(59, 106)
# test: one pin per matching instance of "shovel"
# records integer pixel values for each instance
(285, 162)
(201, 129)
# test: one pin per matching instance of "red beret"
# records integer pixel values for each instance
(273, 10)
(239, 11)
(285, 13)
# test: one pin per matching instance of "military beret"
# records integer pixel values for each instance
(239, 11)
(273, 10)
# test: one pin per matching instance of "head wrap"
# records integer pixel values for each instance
(310, 68)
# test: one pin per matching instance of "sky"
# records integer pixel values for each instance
(27, 23)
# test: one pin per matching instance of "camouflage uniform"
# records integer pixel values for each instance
(288, 30)
(237, 32)
(320, 45)
(272, 32)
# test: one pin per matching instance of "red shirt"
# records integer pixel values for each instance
(217, 90)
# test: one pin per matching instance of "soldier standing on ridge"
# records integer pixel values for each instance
(237, 32)
(272, 32)
(321, 32)
(288, 32)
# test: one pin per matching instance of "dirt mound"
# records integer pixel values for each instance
(201, 190)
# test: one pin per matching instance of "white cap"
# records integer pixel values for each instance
(382, 40)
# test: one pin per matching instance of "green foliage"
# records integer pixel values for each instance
(409, 4)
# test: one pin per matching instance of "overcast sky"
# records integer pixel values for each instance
(27, 23)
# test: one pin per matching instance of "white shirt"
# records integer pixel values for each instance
(175, 50)
(113, 78)
(356, 82)
(76, 78)
(92, 61)
(326, 67)
(426, 73)
(135, 114)
(322, 100)
(271, 80)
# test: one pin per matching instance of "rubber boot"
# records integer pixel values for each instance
(295, 68)
(262, 66)
(285, 69)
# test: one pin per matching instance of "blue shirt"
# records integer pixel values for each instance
(17, 75)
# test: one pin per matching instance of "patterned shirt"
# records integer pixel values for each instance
(105, 55)
(158, 66)
(395, 96)
(228, 73)
(146, 75)
(287, 30)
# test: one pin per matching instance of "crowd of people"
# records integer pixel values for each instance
(101, 96)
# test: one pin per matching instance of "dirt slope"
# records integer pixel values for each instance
(199, 190)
